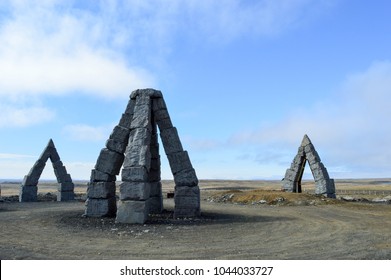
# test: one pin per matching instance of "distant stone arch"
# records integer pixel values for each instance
(29, 188)
(293, 176)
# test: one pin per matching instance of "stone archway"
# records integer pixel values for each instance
(133, 145)
(29, 188)
(293, 176)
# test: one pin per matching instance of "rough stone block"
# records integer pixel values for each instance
(101, 207)
(65, 196)
(290, 175)
(31, 180)
(187, 191)
(155, 204)
(126, 120)
(66, 178)
(171, 141)
(132, 212)
(101, 190)
(137, 156)
(148, 92)
(154, 149)
(183, 202)
(28, 193)
(98, 176)
(158, 104)
(186, 178)
(155, 189)
(140, 137)
(115, 146)
(288, 185)
(66, 187)
(135, 174)
(130, 107)
(179, 161)
(321, 186)
(319, 171)
(141, 117)
(109, 162)
(61, 173)
(134, 191)
(154, 175)
(120, 134)
(164, 124)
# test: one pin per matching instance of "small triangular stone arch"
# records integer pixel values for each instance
(293, 176)
(133, 145)
(29, 189)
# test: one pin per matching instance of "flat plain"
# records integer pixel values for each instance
(240, 220)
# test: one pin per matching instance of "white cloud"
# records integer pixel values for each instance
(349, 129)
(14, 156)
(83, 132)
(16, 116)
(53, 49)
(102, 48)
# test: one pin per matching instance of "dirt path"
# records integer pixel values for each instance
(56, 230)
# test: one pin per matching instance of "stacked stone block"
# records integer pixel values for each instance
(140, 192)
(29, 189)
(101, 193)
(187, 193)
(306, 152)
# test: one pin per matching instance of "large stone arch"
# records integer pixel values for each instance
(29, 188)
(293, 176)
(133, 145)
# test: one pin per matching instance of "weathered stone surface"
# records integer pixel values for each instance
(171, 141)
(66, 187)
(288, 185)
(115, 146)
(140, 192)
(134, 191)
(126, 120)
(132, 212)
(155, 189)
(135, 174)
(98, 176)
(28, 193)
(65, 196)
(28, 190)
(155, 204)
(101, 207)
(120, 134)
(158, 104)
(140, 137)
(130, 107)
(152, 93)
(187, 202)
(101, 190)
(323, 183)
(137, 156)
(142, 115)
(187, 191)
(162, 118)
(60, 171)
(186, 178)
(179, 161)
(109, 162)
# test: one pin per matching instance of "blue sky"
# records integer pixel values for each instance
(243, 81)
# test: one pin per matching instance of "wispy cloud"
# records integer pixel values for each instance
(83, 132)
(21, 116)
